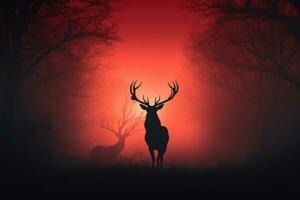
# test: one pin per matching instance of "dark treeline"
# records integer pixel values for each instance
(249, 56)
(45, 49)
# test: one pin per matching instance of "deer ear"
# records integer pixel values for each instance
(160, 107)
(143, 107)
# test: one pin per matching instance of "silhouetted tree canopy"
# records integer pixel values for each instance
(249, 54)
(255, 28)
(31, 31)
(42, 40)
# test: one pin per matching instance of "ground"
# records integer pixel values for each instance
(142, 182)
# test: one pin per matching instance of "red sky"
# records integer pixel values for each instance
(153, 36)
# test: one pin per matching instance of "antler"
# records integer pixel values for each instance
(134, 123)
(110, 127)
(127, 124)
(133, 88)
(174, 89)
(130, 120)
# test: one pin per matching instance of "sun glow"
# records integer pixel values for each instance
(150, 52)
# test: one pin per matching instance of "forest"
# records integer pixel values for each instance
(86, 84)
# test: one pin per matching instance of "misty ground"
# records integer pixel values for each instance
(145, 182)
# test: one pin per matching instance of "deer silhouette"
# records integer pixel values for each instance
(126, 126)
(157, 136)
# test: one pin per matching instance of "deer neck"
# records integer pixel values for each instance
(119, 146)
(152, 121)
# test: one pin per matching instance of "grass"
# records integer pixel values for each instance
(136, 181)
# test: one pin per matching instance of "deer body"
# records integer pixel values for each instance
(157, 139)
(157, 136)
(126, 126)
(106, 155)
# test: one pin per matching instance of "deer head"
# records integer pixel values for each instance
(158, 104)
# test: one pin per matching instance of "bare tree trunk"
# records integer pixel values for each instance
(12, 88)
(267, 127)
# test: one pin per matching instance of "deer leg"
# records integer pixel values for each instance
(160, 159)
(152, 157)
(157, 160)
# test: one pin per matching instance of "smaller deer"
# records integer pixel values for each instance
(126, 126)
(157, 136)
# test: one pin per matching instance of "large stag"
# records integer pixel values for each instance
(157, 136)
(126, 126)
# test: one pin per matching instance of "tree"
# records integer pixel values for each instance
(279, 21)
(252, 60)
(38, 34)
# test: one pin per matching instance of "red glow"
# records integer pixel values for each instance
(154, 34)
